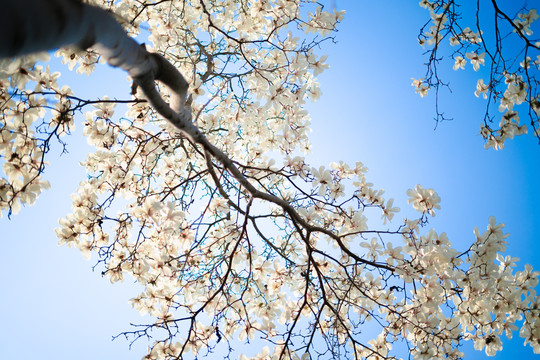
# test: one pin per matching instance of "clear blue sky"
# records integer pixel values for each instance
(54, 307)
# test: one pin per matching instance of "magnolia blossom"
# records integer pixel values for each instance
(420, 88)
(524, 21)
(424, 200)
(460, 63)
(481, 88)
(476, 59)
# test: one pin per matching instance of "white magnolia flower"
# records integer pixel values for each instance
(476, 59)
(481, 88)
(424, 200)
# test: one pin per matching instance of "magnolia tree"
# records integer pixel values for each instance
(207, 202)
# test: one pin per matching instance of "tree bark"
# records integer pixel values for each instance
(29, 26)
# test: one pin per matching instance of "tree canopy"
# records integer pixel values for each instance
(232, 234)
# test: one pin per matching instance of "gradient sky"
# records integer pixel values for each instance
(54, 307)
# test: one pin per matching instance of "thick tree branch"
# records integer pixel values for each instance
(41, 25)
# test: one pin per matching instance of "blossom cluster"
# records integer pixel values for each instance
(24, 87)
(511, 86)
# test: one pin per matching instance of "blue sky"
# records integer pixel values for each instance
(53, 305)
